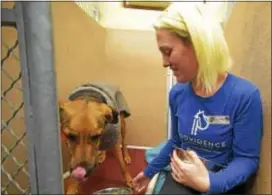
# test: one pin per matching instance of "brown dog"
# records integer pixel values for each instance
(90, 125)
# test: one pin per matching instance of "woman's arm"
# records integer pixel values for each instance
(248, 127)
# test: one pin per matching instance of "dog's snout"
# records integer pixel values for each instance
(87, 166)
(83, 164)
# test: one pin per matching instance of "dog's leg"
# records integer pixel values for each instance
(124, 146)
(123, 166)
(73, 186)
(101, 156)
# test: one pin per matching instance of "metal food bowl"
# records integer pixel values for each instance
(114, 191)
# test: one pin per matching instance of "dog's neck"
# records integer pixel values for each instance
(91, 98)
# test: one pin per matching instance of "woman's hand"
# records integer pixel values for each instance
(193, 174)
(140, 182)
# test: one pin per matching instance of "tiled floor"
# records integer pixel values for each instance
(108, 174)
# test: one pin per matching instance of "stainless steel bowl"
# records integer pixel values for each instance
(114, 191)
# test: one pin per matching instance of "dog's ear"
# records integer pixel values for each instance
(62, 111)
(111, 114)
(66, 110)
(64, 117)
(115, 116)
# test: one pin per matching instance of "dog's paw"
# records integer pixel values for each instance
(72, 190)
(101, 157)
(128, 180)
(127, 159)
(129, 184)
(73, 186)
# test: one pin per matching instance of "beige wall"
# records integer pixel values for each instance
(79, 47)
(114, 15)
(249, 36)
(135, 65)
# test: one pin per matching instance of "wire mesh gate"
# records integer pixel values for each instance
(30, 148)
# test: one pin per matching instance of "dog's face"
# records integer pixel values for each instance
(82, 125)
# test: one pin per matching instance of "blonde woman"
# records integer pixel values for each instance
(215, 115)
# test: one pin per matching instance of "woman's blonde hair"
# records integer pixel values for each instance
(194, 22)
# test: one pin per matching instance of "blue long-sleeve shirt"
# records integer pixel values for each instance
(225, 128)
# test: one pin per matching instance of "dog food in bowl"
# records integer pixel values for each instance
(114, 191)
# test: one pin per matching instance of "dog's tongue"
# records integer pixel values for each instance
(79, 173)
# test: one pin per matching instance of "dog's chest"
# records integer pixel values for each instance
(110, 137)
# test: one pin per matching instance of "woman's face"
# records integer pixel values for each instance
(177, 55)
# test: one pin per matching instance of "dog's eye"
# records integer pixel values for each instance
(72, 137)
(95, 138)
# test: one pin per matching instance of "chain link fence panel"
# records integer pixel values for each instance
(14, 166)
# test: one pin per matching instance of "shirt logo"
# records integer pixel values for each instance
(202, 122)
